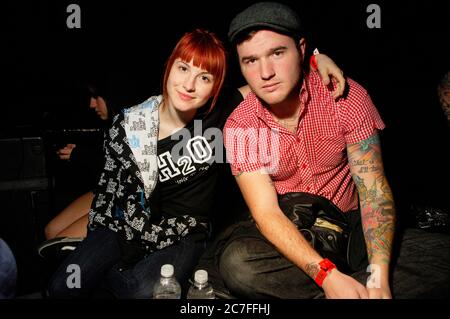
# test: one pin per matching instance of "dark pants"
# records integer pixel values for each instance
(252, 268)
(99, 258)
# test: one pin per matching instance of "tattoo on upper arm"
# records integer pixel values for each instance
(365, 156)
(368, 173)
(364, 145)
(239, 174)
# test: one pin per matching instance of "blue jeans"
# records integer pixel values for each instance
(252, 268)
(99, 259)
(137, 282)
(8, 272)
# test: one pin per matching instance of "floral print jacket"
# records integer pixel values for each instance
(129, 176)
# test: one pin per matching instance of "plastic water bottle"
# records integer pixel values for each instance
(201, 289)
(167, 287)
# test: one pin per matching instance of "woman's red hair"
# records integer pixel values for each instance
(206, 51)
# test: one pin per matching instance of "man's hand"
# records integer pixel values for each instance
(337, 285)
(327, 67)
(65, 152)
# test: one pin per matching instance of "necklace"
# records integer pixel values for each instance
(291, 123)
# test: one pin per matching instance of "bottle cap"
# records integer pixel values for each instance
(201, 276)
(167, 270)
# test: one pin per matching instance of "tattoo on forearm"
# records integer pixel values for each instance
(312, 269)
(362, 189)
(377, 204)
(379, 226)
(386, 192)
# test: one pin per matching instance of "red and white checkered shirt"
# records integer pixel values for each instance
(313, 159)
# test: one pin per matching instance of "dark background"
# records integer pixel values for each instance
(44, 64)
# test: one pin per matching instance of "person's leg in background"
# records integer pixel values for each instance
(72, 220)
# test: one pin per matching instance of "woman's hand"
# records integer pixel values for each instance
(327, 67)
(64, 153)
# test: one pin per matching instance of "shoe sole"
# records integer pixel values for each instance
(57, 241)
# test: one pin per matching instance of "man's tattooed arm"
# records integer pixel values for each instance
(375, 196)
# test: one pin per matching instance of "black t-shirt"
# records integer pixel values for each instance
(189, 162)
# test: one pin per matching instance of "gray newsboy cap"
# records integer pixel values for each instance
(271, 15)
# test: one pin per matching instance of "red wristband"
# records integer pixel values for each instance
(325, 267)
(313, 62)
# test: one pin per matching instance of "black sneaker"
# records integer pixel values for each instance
(58, 246)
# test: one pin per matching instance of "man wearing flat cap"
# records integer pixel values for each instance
(291, 136)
